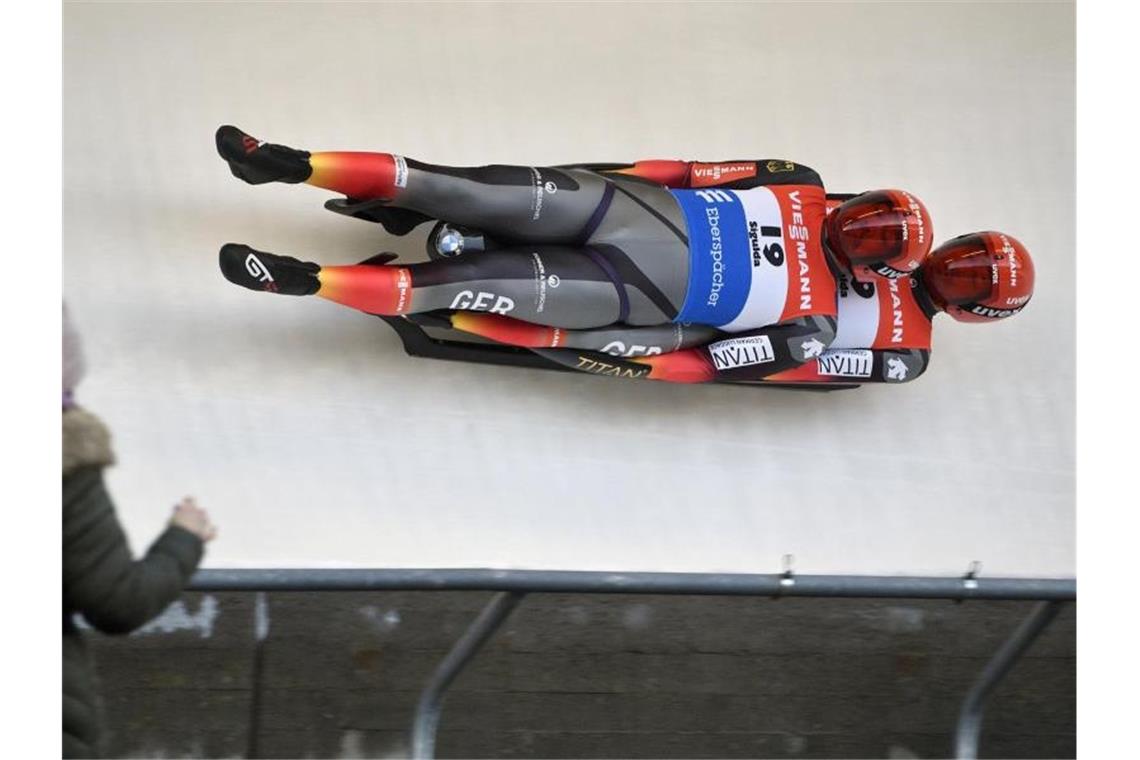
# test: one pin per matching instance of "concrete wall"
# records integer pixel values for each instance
(581, 676)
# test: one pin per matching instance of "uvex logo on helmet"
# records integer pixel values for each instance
(980, 277)
(881, 233)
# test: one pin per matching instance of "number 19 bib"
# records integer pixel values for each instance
(755, 257)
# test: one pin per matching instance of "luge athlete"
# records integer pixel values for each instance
(732, 247)
(883, 335)
(662, 255)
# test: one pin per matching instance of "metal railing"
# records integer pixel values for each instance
(512, 586)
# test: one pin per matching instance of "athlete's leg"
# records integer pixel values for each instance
(546, 285)
(512, 203)
(643, 236)
(614, 341)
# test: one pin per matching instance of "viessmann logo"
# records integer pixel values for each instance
(703, 175)
(799, 233)
(896, 311)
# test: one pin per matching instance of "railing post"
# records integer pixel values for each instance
(970, 719)
(426, 719)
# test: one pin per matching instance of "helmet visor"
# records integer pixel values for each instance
(881, 232)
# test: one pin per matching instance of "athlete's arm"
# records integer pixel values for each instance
(733, 175)
(756, 354)
(691, 365)
(858, 365)
(669, 172)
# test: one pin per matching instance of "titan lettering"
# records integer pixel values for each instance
(741, 352)
(845, 364)
(601, 368)
(742, 356)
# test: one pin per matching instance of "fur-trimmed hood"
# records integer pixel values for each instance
(86, 440)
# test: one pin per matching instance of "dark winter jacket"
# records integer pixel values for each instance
(101, 582)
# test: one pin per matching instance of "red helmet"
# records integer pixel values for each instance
(980, 277)
(882, 232)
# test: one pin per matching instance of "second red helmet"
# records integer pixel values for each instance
(980, 277)
(884, 233)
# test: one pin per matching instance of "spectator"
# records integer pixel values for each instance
(101, 581)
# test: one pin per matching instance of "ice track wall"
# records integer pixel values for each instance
(314, 441)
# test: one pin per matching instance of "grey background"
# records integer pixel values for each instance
(314, 441)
